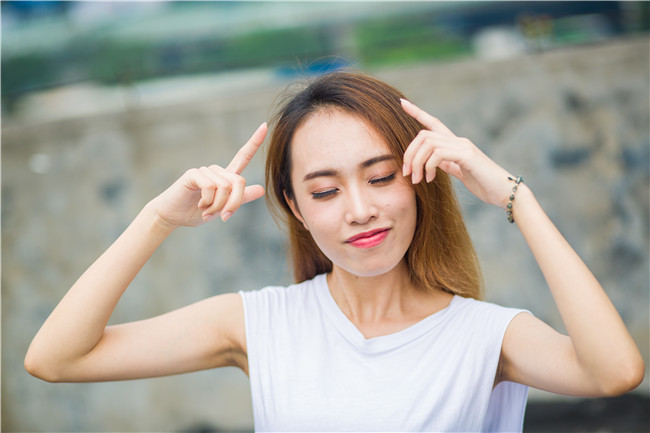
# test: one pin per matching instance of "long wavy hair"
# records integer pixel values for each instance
(441, 254)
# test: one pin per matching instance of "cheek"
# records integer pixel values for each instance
(402, 200)
(403, 207)
(319, 219)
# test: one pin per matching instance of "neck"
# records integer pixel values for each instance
(371, 300)
(383, 304)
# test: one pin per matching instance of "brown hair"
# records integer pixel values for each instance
(441, 255)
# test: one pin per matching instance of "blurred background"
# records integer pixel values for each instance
(104, 104)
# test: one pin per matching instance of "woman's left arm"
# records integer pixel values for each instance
(598, 357)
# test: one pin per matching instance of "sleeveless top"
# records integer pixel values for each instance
(311, 369)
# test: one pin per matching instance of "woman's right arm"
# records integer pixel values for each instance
(75, 344)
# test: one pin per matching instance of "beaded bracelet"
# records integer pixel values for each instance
(517, 181)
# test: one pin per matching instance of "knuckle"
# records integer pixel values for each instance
(422, 156)
(232, 206)
(428, 138)
(247, 155)
(224, 185)
(204, 171)
(239, 181)
(217, 203)
(430, 143)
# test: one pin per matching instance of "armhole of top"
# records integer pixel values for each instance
(507, 405)
(502, 338)
(247, 330)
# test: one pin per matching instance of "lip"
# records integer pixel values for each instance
(368, 239)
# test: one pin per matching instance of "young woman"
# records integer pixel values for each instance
(384, 329)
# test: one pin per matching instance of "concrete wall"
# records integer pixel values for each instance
(573, 122)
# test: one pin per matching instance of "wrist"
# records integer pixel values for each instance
(515, 182)
(523, 199)
(154, 223)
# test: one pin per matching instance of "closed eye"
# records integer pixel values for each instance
(384, 179)
(323, 194)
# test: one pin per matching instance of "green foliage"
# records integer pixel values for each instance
(273, 47)
(407, 39)
(121, 62)
(25, 72)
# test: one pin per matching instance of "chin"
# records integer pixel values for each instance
(369, 271)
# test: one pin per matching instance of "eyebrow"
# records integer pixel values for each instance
(331, 172)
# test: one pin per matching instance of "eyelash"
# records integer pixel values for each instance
(324, 194)
(383, 179)
(331, 192)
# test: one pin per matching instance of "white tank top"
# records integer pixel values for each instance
(311, 369)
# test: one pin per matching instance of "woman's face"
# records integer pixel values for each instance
(350, 193)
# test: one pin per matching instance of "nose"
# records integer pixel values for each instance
(361, 208)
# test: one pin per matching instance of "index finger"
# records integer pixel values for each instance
(247, 152)
(432, 123)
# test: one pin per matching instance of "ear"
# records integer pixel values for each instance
(294, 209)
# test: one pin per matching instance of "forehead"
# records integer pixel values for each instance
(333, 136)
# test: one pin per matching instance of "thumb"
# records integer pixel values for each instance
(253, 192)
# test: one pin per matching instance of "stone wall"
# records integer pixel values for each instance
(573, 122)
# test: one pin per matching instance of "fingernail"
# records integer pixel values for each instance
(225, 216)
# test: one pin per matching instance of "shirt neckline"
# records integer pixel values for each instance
(381, 343)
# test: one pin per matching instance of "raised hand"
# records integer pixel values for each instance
(76, 345)
(202, 194)
(438, 147)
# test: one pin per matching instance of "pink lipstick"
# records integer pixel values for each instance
(368, 239)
